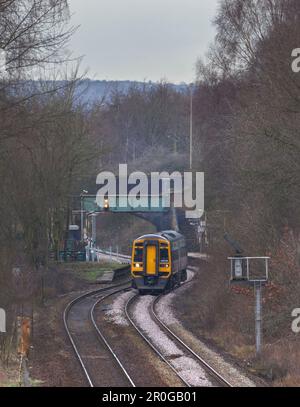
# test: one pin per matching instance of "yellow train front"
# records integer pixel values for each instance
(159, 261)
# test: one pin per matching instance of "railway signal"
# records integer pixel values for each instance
(251, 271)
(106, 204)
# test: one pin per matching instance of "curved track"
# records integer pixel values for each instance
(218, 379)
(155, 349)
(89, 302)
(90, 347)
(210, 370)
(103, 337)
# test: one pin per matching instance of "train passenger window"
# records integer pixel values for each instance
(182, 252)
(175, 255)
(138, 254)
(164, 255)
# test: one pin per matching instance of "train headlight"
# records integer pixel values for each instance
(137, 265)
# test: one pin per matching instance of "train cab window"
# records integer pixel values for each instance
(164, 255)
(138, 254)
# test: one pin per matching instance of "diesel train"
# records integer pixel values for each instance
(159, 261)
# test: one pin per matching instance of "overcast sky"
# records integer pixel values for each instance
(142, 39)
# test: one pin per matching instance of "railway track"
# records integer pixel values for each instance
(210, 370)
(90, 347)
(148, 341)
(104, 339)
(217, 379)
(101, 347)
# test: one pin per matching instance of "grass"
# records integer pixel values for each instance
(89, 271)
(36, 382)
(9, 376)
(243, 352)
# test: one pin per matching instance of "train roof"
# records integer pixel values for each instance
(170, 235)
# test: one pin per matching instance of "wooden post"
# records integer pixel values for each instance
(24, 334)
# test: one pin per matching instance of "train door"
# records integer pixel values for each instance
(151, 256)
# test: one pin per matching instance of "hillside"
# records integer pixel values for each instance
(101, 90)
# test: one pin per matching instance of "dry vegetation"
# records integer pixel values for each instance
(44, 146)
(119, 230)
(223, 315)
(51, 147)
(248, 119)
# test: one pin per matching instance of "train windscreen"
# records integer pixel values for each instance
(138, 254)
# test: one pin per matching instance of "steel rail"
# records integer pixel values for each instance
(217, 376)
(65, 321)
(207, 366)
(128, 304)
(102, 337)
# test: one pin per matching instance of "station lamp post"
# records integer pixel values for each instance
(191, 125)
(83, 192)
